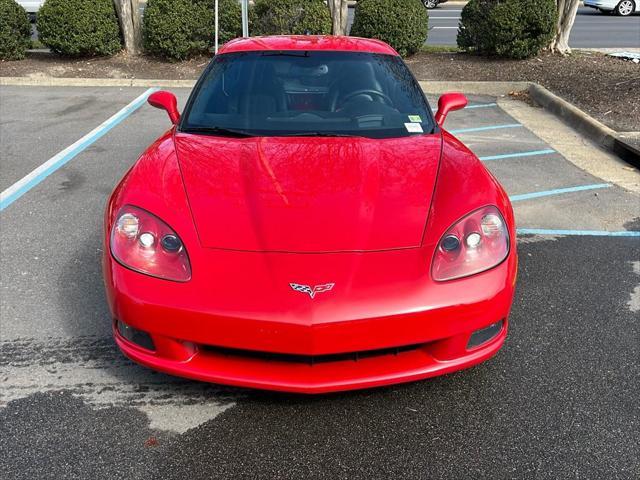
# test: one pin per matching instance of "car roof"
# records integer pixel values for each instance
(307, 42)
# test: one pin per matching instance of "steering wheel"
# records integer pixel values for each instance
(365, 91)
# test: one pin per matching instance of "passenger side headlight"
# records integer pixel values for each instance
(476, 243)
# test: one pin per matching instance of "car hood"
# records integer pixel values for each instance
(293, 194)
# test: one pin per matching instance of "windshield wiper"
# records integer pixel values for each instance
(230, 132)
(277, 53)
(319, 134)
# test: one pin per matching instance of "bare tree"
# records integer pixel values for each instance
(129, 16)
(567, 10)
(339, 14)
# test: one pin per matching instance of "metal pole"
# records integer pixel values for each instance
(245, 18)
(216, 27)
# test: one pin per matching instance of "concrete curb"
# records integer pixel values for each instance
(585, 124)
(620, 144)
(435, 87)
(42, 81)
(572, 115)
(494, 89)
(631, 141)
(571, 144)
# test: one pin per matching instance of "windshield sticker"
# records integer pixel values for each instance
(415, 118)
(413, 127)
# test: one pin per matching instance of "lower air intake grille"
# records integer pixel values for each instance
(309, 359)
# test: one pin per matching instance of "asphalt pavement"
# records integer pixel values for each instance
(592, 29)
(558, 401)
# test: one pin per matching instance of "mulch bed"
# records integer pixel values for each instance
(117, 66)
(605, 87)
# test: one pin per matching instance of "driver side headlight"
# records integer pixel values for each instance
(142, 242)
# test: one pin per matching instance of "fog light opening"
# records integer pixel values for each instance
(138, 337)
(484, 335)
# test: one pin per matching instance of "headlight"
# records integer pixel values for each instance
(144, 243)
(476, 243)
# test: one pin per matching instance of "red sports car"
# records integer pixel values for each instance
(307, 225)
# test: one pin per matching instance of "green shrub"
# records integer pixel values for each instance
(79, 27)
(507, 28)
(403, 24)
(229, 21)
(178, 29)
(15, 31)
(290, 17)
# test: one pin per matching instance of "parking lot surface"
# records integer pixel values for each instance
(558, 401)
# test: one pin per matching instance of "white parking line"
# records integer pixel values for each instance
(579, 233)
(22, 186)
(481, 105)
(534, 153)
(484, 129)
(557, 191)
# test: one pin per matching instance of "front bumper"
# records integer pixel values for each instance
(251, 371)
(402, 335)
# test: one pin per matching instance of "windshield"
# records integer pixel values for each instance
(314, 93)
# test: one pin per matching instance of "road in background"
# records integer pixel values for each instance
(591, 30)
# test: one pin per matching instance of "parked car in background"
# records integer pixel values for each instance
(619, 7)
(432, 3)
(31, 6)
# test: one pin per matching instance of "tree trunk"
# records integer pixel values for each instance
(567, 10)
(129, 16)
(339, 15)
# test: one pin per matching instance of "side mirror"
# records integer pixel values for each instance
(448, 103)
(166, 101)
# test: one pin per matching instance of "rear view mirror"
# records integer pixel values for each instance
(448, 103)
(166, 101)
